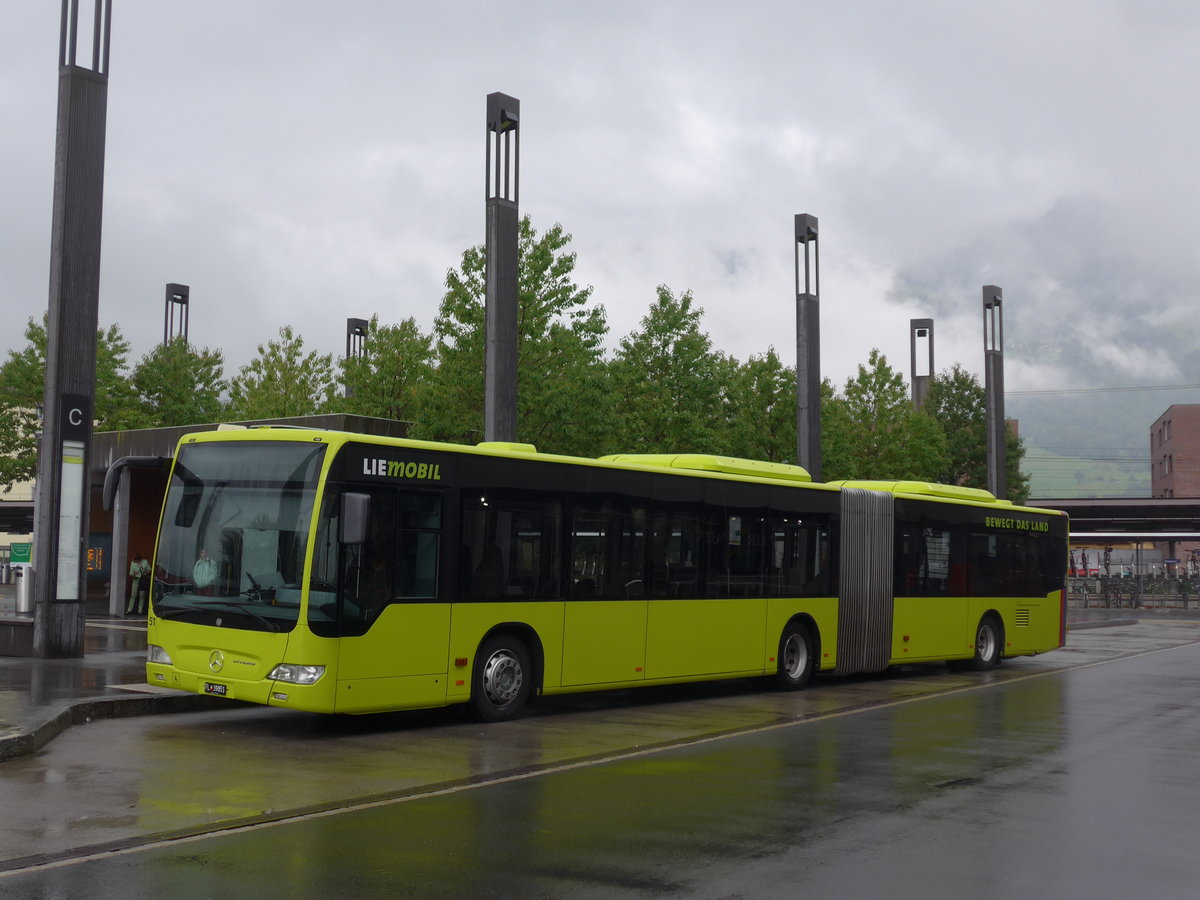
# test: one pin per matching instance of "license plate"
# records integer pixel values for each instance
(219, 689)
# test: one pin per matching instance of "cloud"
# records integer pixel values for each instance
(298, 163)
(1080, 300)
(1085, 309)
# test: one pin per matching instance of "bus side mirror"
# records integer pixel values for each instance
(355, 515)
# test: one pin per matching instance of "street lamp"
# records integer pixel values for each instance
(993, 383)
(176, 308)
(920, 329)
(501, 193)
(808, 346)
(356, 339)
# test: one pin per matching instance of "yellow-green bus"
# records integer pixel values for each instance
(342, 573)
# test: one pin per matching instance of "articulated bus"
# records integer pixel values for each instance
(343, 573)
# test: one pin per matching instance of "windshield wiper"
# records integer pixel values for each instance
(271, 626)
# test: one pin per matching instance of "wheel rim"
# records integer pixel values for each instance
(502, 678)
(985, 642)
(795, 656)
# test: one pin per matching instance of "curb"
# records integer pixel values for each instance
(79, 712)
(1099, 623)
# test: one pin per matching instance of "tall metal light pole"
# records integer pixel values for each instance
(356, 340)
(808, 347)
(502, 194)
(920, 329)
(63, 485)
(176, 312)
(993, 384)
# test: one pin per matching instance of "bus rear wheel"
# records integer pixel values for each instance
(502, 679)
(795, 658)
(989, 638)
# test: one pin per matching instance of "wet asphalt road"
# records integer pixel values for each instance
(1072, 774)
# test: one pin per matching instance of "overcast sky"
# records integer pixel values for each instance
(297, 162)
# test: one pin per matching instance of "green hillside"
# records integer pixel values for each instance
(1090, 445)
(1063, 477)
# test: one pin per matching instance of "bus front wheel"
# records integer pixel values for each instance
(989, 638)
(502, 679)
(795, 658)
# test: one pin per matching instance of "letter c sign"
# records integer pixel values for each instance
(75, 416)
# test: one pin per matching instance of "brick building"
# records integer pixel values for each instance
(1175, 452)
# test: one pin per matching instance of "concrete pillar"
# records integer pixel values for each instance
(64, 493)
(118, 582)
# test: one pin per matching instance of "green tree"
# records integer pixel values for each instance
(115, 407)
(886, 437)
(956, 399)
(760, 407)
(22, 390)
(179, 385)
(837, 435)
(282, 381)
(959, 403)
(562, 403)
(22, 384)
(1017, 478)
(386, 380)
(667, 382)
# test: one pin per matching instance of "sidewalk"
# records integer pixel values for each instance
(39, 698)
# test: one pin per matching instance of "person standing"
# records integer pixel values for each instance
(204, 573)
(139, 583)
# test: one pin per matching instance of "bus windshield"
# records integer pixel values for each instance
(234, 531)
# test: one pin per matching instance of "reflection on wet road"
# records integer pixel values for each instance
(1067, 774)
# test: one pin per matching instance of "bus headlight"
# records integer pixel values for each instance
(296, 674)
(157, 654)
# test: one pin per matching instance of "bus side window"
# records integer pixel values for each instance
(984, 571)
(591, 534)
(322, 598)
(737, 558)
(419, 522)
(608, 548)
(907, 561)
(511, 541)
(1053, 565)
(675, 552)
(367, 572)
(800, 557)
